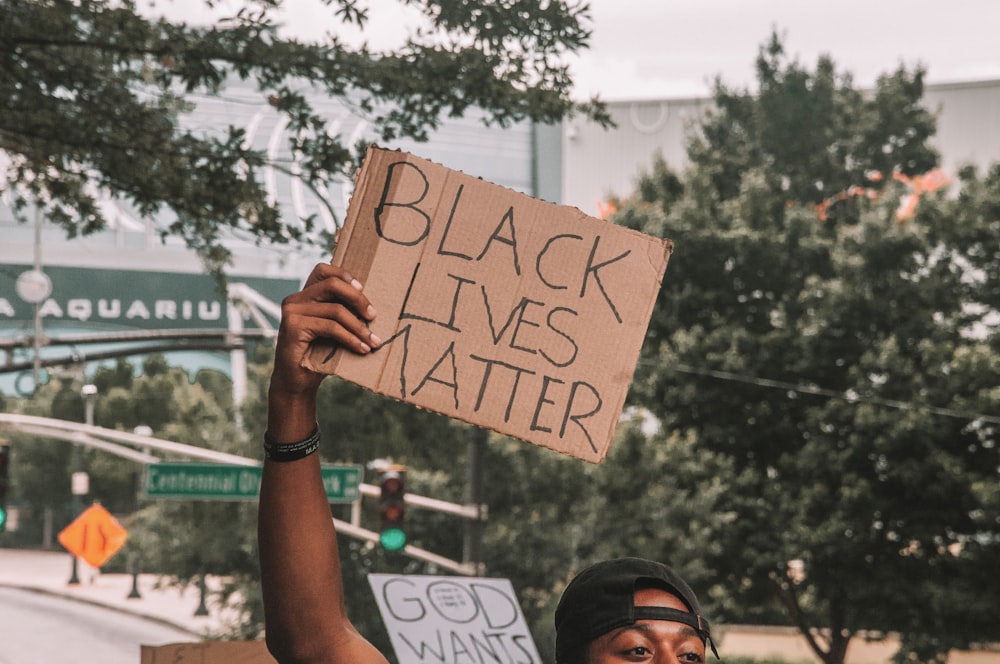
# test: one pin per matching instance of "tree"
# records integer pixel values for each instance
(41, 477)
(94, 97)
(182, 540)
(830, 354)
(188, 540)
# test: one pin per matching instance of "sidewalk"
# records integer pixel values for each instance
(50, 571)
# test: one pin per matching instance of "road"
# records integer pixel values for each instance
(38, 628)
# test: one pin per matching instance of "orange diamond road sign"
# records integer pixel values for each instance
(94, 536)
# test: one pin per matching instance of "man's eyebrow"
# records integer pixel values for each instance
(686, 630)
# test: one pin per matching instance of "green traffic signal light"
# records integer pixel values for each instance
(3, 519)
(392, 539)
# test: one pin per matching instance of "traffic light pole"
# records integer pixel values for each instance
(472, 550)
(425, 502)
(409, 550)
(476, 512)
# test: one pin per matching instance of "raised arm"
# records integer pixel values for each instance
(301, 579)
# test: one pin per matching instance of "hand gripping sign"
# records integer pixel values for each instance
(495, 308)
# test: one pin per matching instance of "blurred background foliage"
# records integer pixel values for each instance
(811, 438)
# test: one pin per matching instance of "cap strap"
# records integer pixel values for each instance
(695, 621)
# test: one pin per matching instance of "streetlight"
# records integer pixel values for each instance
(140, 430)
(34, 287)
(80, 484)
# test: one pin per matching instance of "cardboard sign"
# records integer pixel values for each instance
(436, 619)
(501, 310)
(207, 652)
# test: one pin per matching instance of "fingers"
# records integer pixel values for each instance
(332, 306)
(325, 271)
(329, 282)
(324, 320)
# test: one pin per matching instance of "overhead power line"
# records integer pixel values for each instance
(833, 394)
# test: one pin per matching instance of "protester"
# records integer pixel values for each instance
(624, 610)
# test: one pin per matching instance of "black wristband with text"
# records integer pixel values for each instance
(294, 451)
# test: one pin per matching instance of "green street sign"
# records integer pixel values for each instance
(216, 481)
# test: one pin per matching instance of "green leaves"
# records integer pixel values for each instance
(812, 132)
(824, 350)
(94, 99)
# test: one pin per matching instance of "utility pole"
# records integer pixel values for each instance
(43, 292)
(472, 550)
(80, 484)
(134, 563)
(34, 287)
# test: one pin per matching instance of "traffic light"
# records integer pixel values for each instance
(4, 482)
(392, 508)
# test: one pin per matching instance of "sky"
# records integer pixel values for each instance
(669, 48)
(648, 49)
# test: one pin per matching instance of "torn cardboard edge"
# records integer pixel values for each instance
(207, 652)
(495, 308)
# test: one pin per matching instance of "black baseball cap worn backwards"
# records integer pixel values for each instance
(600, 599)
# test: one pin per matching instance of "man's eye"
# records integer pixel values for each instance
(636, 654)
(692, 658)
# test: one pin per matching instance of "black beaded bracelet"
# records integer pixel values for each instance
(276, 451)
